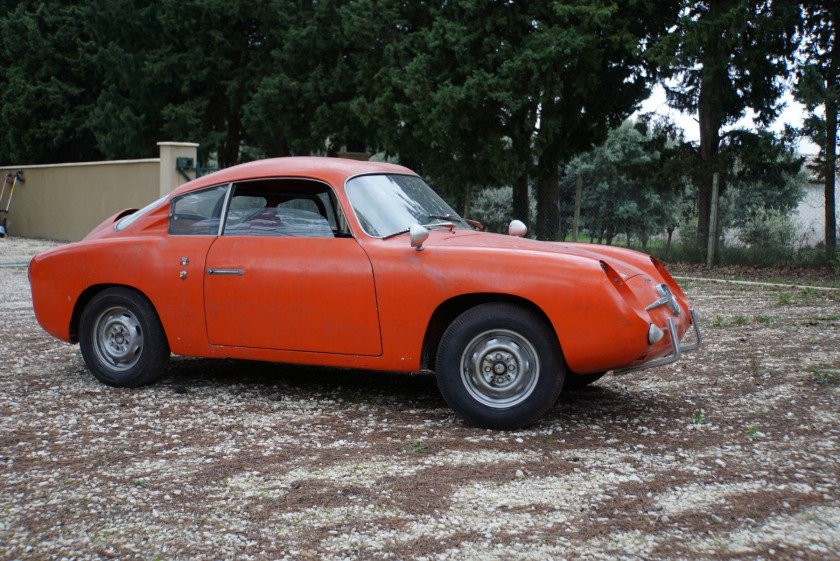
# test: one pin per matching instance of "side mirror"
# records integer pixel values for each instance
(517, 228)
(417, 234)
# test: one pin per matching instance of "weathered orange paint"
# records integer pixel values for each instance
(295, 294)
(361, 301)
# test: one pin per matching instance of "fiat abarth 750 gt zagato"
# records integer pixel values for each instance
(342, 263)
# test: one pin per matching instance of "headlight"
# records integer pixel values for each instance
(654, 334)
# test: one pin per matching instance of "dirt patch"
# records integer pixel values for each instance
(732, 453)
(822, 276)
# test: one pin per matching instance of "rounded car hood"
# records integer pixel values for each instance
(626, 262)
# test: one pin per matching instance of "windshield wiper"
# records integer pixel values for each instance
(448, 225)
(397, 233)
(475, 224)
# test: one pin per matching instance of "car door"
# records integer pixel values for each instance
(178, 267)
(286, 274)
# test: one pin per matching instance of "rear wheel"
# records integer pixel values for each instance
(499, 366)
(121, 338)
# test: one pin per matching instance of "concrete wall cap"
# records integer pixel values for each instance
(81, 164)
(184, 144)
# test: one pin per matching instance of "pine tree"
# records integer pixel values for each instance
(818, 86)
(724, 57)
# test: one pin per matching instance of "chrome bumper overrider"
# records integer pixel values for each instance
(676, 348)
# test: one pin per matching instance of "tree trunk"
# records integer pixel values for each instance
(465, 210)
(521, 204)
(548, 199)
(709, 146)
(830, 177)
(710, 117)
(229, 150)
(520, 133)
(282, 146)
(548, 172)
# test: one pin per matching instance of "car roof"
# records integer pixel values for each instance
(332, 170)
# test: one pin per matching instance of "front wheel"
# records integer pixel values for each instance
(121, 338)
(499, 366)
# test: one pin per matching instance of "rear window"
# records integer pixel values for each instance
(197, 213)
(127, 221)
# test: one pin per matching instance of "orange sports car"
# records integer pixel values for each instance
(356, 264)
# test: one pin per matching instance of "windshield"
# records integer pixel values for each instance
(127, 221)
(388, 204)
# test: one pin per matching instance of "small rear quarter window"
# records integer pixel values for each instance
(127, 221)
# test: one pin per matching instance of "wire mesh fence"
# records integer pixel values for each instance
(781, 223)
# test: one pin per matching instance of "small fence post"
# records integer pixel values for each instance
(713, 219)
(578, 191)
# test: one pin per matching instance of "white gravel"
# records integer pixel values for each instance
(733, 453)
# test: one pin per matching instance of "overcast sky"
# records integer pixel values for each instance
(793, 115)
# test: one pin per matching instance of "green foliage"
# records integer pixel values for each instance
(209, 60)
(493, 207)
(768, 230)
(699, 418)
(45, 99)
(727, 56)
(818, 87)
(322, 61)
(824, 374)
(724, 57)
(617, 197)
(474, 95)
(638, 186)
(110, 78)
(125, 115)
(764, 171)
(418, 447)
(818, 72)
(761, 185)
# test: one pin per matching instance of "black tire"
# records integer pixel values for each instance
(491, 338)
(580, 381)
(122, 339)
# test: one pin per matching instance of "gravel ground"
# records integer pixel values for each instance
(733, 453)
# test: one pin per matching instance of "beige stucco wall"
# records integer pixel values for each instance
(66, 201)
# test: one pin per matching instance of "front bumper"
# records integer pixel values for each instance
(676, 348)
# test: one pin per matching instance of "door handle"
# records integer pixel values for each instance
(234, 272)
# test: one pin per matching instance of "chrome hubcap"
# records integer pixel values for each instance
(118, 338)
(499, 368)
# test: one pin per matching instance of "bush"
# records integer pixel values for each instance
(768, 230)
(493, 207)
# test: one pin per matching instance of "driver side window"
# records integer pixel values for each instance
(284, 208)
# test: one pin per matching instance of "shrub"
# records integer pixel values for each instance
(768, 230)
(493, 207)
